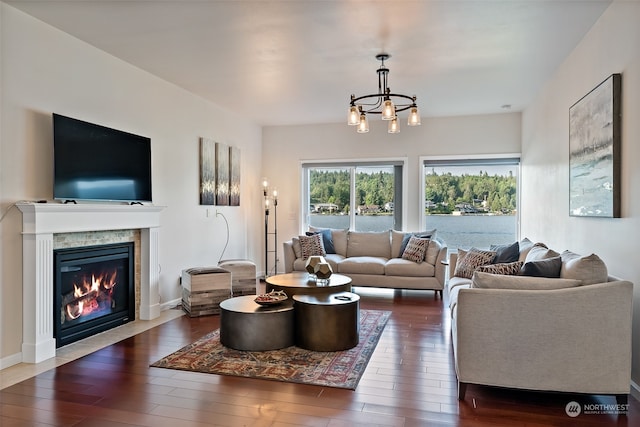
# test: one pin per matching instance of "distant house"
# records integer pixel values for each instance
(367, 209)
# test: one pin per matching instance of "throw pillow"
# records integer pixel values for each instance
(506, 253)
(540, 251)
(590, 269)
(496, 281)
(506, 268)
(416, 249)
(549, 267)
(311, 245)
(338, 236)
(422, 234)
(327, 239)
(525, 246)
(473, 259)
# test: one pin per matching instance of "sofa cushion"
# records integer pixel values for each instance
(506, 268)
(497, 281)
(415, 250)
(506, 253)
(327, 240)
(468, 261)
(362, 265)
(295, 245)
(403, 267)
(311, 245)
(369, 244)
(549, 267)
(590, 269)
(339, 237)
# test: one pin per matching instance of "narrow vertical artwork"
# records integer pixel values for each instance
(234, 176)
(222, 174)
(207, 171)
(594, 152)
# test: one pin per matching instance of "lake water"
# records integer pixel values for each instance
(465, 231)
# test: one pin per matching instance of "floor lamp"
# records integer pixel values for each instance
(267, 207)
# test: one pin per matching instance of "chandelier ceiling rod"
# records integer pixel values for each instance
(382, 103)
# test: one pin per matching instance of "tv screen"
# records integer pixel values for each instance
(93, 162)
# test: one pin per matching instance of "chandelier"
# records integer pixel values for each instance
(384, 102)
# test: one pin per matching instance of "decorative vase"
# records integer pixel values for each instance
(323, 271)
(311, 263)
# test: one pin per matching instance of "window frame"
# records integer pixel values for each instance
(352, 165)
(475, 160)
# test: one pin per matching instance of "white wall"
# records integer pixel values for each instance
(285, 147)
(612, 46)
(44, 71)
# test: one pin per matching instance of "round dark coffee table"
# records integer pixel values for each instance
(300, 283)
(329, 322)
(247, 325)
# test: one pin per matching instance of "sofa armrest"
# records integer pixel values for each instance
(289, 256)
(574, 339)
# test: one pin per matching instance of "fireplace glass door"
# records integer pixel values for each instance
(94, 290)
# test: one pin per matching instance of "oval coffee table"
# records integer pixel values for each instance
(299, 283)
(249, 326)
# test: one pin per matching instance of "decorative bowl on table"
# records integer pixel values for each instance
(272, 298)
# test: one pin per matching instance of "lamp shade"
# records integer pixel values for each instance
(414, 117)
(388, 110)
(394, 126)
(353, 117)
(363, 125)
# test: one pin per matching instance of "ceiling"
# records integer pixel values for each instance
(298, 61)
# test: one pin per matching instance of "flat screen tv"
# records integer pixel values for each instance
(93, 162)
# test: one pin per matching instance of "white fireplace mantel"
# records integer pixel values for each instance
(40, 221)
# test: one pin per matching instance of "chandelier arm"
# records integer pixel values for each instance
(379, 98)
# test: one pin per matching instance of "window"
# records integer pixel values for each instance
(472, 202)
(363, 196)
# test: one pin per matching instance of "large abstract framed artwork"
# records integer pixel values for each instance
(594, 151)
(207, 171)
(234, 176)
(222, 174)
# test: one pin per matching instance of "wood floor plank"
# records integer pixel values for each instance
(410, 381)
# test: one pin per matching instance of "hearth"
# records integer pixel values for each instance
(94, 290)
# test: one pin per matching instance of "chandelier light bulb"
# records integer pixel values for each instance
(394, 126)
(414, 117)
(354, 116)
(363, 125)
(388, 110)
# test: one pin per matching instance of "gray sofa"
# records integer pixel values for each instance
(373, 259)
(566, 334)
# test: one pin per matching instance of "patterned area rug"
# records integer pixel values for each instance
(341, 369)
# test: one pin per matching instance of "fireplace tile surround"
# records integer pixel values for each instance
(45, 226)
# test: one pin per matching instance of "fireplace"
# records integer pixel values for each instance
(40, 221)
(94, 290)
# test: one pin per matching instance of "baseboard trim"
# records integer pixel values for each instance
(635, 390)
(8, 361)
(170, 305)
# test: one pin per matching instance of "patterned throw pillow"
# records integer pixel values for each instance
(473, 259)
(416, 249)
(311, 245)
(505, 268)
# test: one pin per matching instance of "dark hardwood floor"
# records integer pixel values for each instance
(410, 381)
